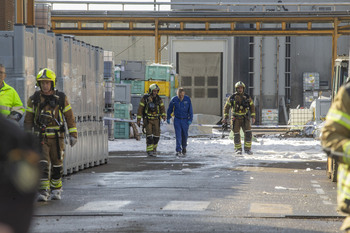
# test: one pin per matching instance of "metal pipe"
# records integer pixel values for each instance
(334, 46)
(277, 71)
(261, 70)
(197, 3)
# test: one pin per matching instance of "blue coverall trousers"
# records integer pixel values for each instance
(181, 132)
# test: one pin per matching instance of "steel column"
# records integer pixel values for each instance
(157, 44)
(334, 46)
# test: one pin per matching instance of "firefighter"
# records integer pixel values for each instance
(10, 103)
(183, 115)
(241, 105)
(335, 137)
(151, 110)
(47, 112)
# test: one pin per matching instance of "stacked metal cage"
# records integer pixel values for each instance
(79, 70)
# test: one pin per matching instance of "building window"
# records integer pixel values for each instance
(199, 93)
(186, 81)
(199, 81)
(213, 93)
(213, 81)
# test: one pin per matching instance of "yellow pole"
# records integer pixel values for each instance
(20, 11)
(31, 12)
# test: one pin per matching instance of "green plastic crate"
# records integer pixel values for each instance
(122, 111)
(121, 130)
(158, 72)
(117, 76)
(137, 86)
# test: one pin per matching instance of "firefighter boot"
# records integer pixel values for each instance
(238, 151)
(43, 195)
(249, 152)
(56, 194)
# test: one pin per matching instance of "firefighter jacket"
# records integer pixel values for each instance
(182, 109)
(48, 113)
(151, 108)
(336, 137)
(240, 104)
(10, 101)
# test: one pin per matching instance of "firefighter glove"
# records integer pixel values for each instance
(72, 140)
(14, 116)
(168, 121)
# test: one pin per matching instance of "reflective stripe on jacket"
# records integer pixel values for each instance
(51, 129)
(144, 111)
(10, 101)
(236, 106)
(336, 137)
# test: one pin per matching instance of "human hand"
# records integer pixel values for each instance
(168, 121)
(138, 123)
(72, 140)
(253, 120)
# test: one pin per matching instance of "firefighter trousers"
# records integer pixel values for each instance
(244, 123)
(51, 164)
(152, 134)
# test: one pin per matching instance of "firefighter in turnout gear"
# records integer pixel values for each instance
(151, 110)
(241, 105)
(335, 138)
(10, 104)
(47, 112)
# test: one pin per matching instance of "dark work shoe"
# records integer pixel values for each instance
(249, 152)
(43, 195)
(238, 151)
(150, 153)
(184, 151)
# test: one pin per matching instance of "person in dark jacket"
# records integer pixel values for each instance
(19, 177)
(181, 106)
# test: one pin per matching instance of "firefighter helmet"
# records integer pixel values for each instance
(46, 74)
(239, 84)
(153, 87)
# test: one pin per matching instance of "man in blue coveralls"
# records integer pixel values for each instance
(183, 112)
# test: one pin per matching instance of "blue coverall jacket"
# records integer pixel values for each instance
(183, 113)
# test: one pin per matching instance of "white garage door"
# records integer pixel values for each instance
(200, 76)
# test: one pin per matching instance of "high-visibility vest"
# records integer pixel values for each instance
(10, 101)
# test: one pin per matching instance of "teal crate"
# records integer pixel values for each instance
(158, 72)
(122, 111)
(172, 86)
(137, 86)
(117, 76)
(121, 130)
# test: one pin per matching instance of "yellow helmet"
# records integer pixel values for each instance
(152, 87)
(46, 74)
(239, 84)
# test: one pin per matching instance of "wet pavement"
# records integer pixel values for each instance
(136, 193)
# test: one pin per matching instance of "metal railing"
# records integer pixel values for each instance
(194, 6)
